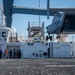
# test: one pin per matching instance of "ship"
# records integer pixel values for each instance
(37, 45)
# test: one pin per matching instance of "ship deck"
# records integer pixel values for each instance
(37, 67)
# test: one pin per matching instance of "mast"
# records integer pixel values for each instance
(3, 23)
(2, 16)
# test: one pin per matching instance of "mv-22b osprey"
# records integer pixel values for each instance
(63, 21)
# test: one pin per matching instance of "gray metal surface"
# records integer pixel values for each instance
(7, 7)
(41, 11)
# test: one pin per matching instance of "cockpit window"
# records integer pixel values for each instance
(69, 22)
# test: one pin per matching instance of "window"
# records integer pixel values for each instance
(0, 34)
(3, 34)
(69, 22)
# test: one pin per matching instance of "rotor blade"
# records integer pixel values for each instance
(48, 9)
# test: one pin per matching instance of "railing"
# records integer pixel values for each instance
(35, 24)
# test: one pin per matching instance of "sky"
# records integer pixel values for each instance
(20, 21)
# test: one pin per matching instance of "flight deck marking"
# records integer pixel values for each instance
(60, 65)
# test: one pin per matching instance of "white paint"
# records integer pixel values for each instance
(66, 66)
(62, 50)
(28, 50)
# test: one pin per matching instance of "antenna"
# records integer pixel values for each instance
(39, 15)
